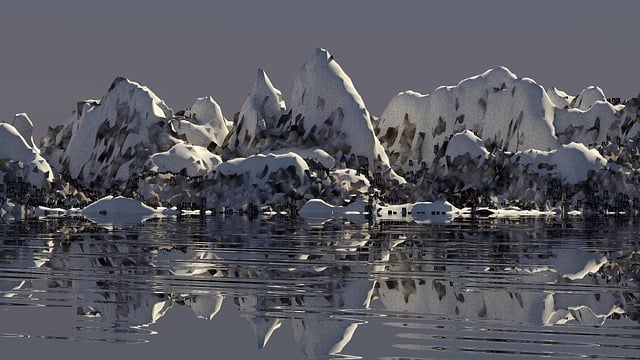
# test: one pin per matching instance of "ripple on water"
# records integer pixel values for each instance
(517, 288)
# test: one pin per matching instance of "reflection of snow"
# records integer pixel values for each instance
(531, 300)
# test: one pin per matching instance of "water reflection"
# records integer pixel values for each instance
(440, 289)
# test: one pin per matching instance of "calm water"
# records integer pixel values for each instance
(280, 288)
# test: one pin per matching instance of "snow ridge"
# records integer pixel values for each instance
(491, 138)
(507, 112)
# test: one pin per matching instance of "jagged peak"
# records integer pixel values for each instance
(122, 87)
(263, 84)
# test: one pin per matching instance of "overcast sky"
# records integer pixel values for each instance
(55, 53)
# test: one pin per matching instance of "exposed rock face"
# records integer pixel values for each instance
(328, 112)
(258, 118)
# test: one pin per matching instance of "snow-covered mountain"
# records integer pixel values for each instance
(112, 138)
(507, 112)
(328, 112)
(495, 133)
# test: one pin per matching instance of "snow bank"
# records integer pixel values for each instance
(464, 143)
(184, 158)
(317, 155)
(110, 206)
(571, 162)
(259, 167)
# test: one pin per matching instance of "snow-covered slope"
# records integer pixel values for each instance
(457, 142)
(204, 126)
(259, 115)
(571, 163)
(510, 112)
(327, 111)
(14, 147)
(588, 97)
(183, 158)
(112, 139)
(258, 179)
(466, 142)
(560, 98)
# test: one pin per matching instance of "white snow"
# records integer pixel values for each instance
(14, 147)
(196, 160)
(515, 113)
(588, 97)
(260, 112)
(560, 98)
(99, 138)
(316, 209)
(598, 123)
(332, 114)
(571, 162)
(23, 124)
(350, 179)
(110, 205)
(253, 166)
(467, 142)
(204, 124)
(316, 154)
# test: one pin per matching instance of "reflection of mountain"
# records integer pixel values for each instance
(320, 280)
(20, 252)
(515, 280)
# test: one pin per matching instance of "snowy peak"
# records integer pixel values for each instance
(495, 77)
(203, 124)
(123, 90)
(263, 86)
(259, 115)
(112, 138)
(327, 111)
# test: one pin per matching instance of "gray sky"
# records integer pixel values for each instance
(55, 53)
